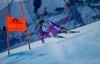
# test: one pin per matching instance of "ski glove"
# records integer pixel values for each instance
(62, 28)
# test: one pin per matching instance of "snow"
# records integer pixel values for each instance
(80, 48)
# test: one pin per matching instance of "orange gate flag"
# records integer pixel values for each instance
(15, 24)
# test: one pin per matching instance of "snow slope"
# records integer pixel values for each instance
(82, 48)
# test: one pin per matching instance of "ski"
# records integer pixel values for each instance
(58, 36)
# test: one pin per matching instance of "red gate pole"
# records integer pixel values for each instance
(28, 39)
(8, 44)
(7, 39)
(26, 29)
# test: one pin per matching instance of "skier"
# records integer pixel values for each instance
(50, 29)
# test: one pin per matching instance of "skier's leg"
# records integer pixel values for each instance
(58, 36)
(63, 31)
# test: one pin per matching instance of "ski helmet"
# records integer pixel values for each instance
(40, 21)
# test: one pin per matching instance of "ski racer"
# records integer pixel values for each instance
(50, 29)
